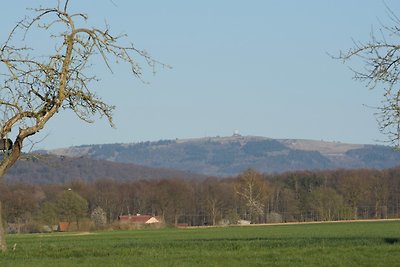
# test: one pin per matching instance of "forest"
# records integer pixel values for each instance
(251, 196)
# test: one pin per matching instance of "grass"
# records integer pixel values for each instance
(333, 244)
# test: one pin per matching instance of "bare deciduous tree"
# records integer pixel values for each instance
(99, 217)
(35, 86)
(381, 68)
(253, 191)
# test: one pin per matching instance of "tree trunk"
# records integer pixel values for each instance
(176, 217)
(355, 212)
(3, 245)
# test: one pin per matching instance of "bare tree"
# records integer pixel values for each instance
(99, 218)
(253, 191)
(35, 86)
(380, 58)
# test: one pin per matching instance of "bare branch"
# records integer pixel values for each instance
(381, 68)
(34, 87)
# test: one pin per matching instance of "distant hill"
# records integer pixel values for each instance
(45, 169)
(226, 156)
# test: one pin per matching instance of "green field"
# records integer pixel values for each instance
(328, 244)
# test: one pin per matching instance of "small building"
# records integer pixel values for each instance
(63, 226)
(67, 226)
(139, 219)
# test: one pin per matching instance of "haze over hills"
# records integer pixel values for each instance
(50, 169)
(226, 156)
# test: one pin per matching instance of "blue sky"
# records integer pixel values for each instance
(261, 67)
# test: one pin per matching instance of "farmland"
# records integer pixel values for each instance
(325, 244)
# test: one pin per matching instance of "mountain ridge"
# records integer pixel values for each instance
(53, 169)
(231, 155)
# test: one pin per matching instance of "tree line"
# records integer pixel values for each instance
(251, 197)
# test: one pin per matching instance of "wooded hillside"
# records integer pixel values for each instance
(229, 156)
(39, 169)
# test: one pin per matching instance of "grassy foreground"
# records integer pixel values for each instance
(330, 244)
